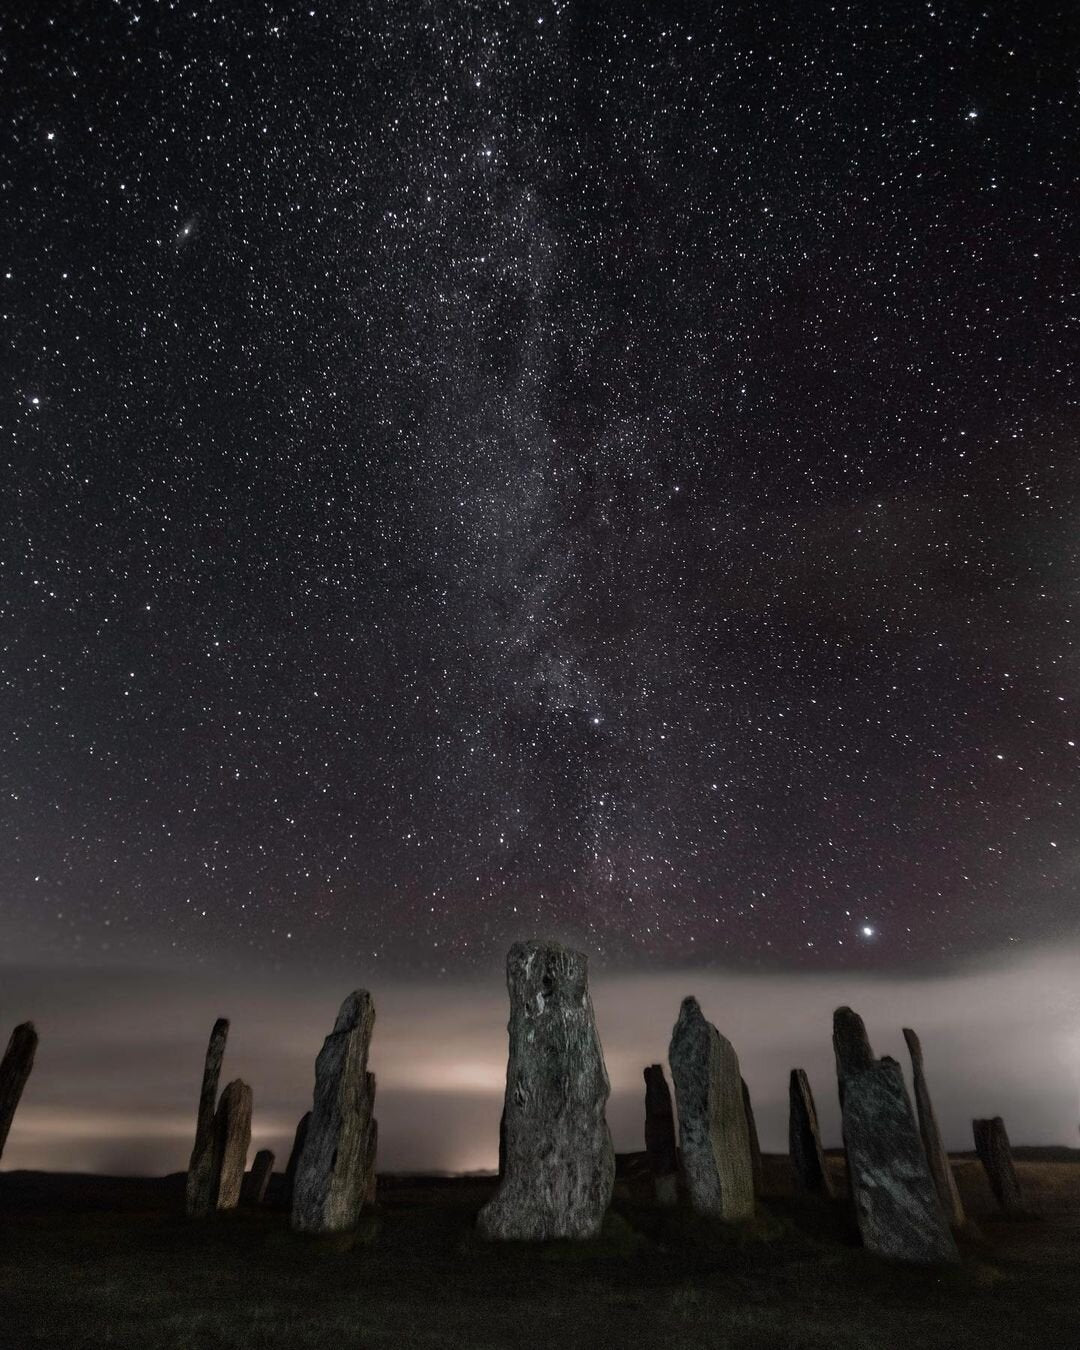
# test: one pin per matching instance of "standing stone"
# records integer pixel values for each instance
(851, 1046)
(713, 1135)
(204, 1168)
(253, 1191)
(660, 1136)
(371, 1150)
(752, 1135)
(14, 1071)
(936, 1156)
(232, 1131)
(804, 1139)
(896, 1205)
(559, 1166)
(502, 1143)
(995, 1154)
(299, 1139)
(331, 1181)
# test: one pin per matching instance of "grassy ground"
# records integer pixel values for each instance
(93, 1262)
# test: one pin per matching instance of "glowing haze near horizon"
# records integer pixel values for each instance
(474, 471)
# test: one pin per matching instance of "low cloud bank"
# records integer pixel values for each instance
(115, 1085)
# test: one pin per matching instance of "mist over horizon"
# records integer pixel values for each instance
(115, 1084)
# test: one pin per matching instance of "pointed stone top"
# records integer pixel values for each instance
(358, 1006)
(851, 1043)
(690, 1007)
(221, 1027)
(914, 1045)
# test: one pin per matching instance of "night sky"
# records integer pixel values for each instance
(482, 470)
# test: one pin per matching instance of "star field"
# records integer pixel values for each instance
(474, 470)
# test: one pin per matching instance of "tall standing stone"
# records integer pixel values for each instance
(936, 1156)
(713, 1135)
(995, 1154)
(14, 1071)
(559, 1164)
(752, 1136)
(204, 1168)
(257, 1180)
(660, 1136)
(804, 1139)
(331, 1181)
(896, 1206)
(232, 1131)
(299, 1139)
(851, 1045)
(371, 1152)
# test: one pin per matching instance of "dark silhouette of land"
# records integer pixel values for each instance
(89, 1261)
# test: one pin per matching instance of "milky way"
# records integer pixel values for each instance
(475, 470)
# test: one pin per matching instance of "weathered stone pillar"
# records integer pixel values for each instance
(804, 1139)
(995, 1154)
(14, 1071)
(371, 1152)
(253, 1191)
(660, 1136)
(232, 1129)
(896, 1205)
(713, 1136)
(299, 1139)
(936, 1156)
(331, 1181)
(752, 1136)
(559, 1166)
(502, 1143)
(204, 1168)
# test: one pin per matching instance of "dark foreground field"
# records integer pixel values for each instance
(92, 1261)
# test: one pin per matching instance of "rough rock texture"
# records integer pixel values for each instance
(936, 1156)
(752, 1135)
(896, 1205)
(299, 1139)
(804, 1138)
(232, 1131)
(713, 1137)
(995, 1154)
(559, 1165)
(851, 1046)
(660, 1136)
(257, 1180)
(204, 1169)
(331, 1181)
(14, 1071)
(371, 1151)
(502, 1143)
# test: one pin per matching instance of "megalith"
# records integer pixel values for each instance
(204, 1168)
(331, 1181)
(558, 1164)
(995, 1154)
(936, 1156)
(232, 1130)
(896, 1206)
(804, 1139)
(299, 1139)
(752, 1136)
(14, 1071)
(660, 1136)
(257, 1180)
(371, 1150)
(713, 1137)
